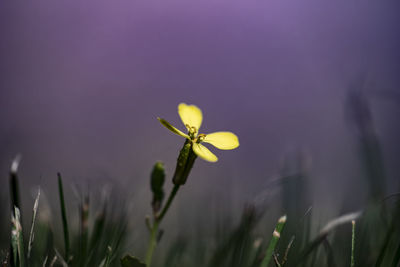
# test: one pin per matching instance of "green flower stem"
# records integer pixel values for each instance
(157, 221)
(152, 244)
(184, 165)
(168, 204)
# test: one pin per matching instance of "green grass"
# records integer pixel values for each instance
(101, 235)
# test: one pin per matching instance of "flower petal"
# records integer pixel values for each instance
(190, 115)
(172, 128)
(222, 140)
(204, 153)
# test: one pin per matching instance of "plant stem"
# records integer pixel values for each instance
(353, 233)
(168, 204)
(157, 221)
(152, 244)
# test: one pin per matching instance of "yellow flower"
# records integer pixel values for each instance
(192, 117)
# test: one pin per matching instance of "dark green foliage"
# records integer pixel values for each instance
(322, 237)
(130, 261)
(176, 252)
(63, 216)
(99, 242)
(234, 250)
(84, 230)
(396, 258)
(360, 116)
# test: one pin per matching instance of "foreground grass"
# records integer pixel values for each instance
(372, 237)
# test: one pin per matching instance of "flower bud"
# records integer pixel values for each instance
(156, 183)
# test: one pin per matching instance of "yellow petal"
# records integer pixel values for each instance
(190, 115)
(172, 128)
(222, 140)
(204, 153)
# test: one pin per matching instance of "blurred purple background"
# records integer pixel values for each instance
(82, 83)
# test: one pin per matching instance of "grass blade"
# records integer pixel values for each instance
(285, 257)
(60, 258)
(84, 229)
(106, 262)
(14, 188)
(45, 261)
(330, 226)
(272, 244)
(31, 235)
(353, 234)
(53, 261)
(63, 216)
(98, 228)
(17, 240)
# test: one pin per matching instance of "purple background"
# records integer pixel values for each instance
(82, 83)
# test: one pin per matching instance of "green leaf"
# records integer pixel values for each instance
(157, 182)
(130, 261)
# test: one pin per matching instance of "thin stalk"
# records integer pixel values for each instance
(84, 231)
(152, 244)
(353, 234)
(276, 260)
(285, 257)
(63, 216)
(272, 244)
(32, 235)
(157, 221)
(168, 204)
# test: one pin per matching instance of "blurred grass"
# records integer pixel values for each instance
(102, 232)
(102, 236)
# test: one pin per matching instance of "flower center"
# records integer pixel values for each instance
(192, 131)
(199, 138)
